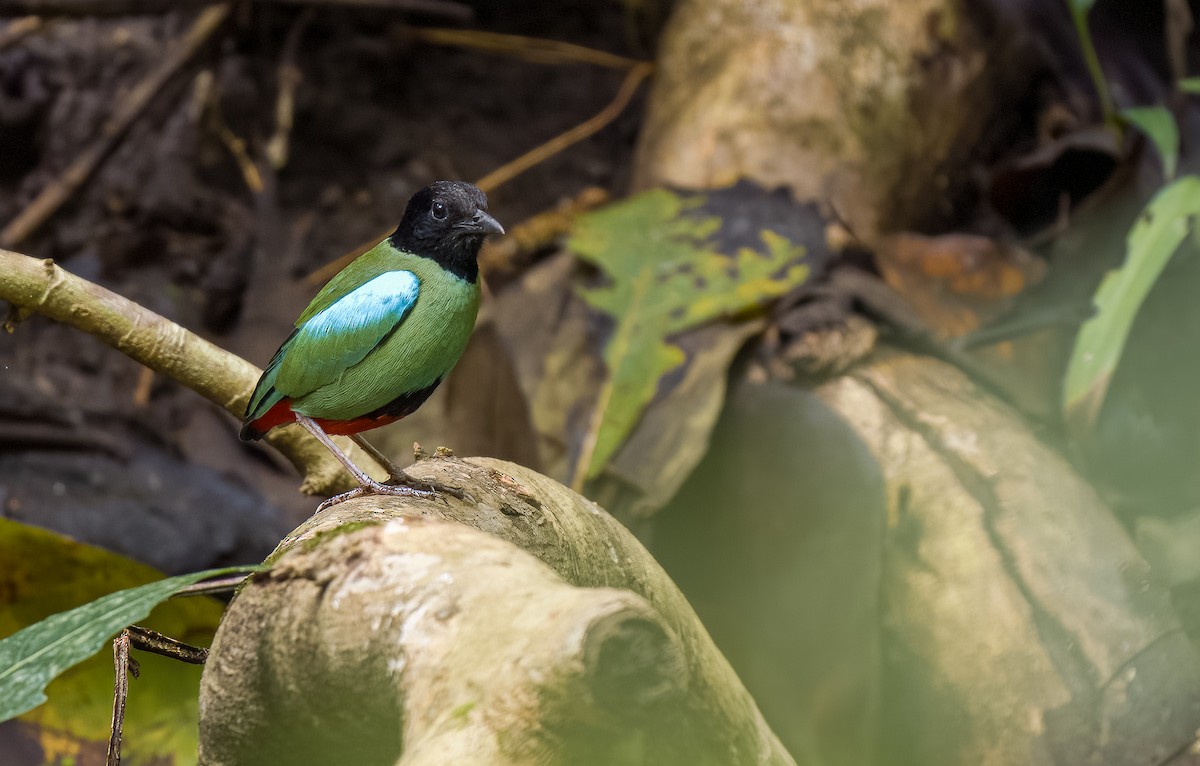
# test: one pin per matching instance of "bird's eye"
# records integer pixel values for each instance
(439, 211)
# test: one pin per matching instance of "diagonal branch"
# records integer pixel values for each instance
(42, 287)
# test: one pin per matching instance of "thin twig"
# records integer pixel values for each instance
(507, 172)
(542, 231)
(443, 8)
(446, 9)
(121, 670)
(285, 101)
(123, 665)
(535, 49)
(41, 286)
(131, 107)
(156, 643)
(618, 348)
(237, 149)
(211, 587)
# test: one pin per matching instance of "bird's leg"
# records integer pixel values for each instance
(399, 476)
(366, 485)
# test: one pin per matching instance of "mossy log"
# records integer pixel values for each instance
(522, 625)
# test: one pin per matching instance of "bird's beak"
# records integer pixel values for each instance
(484, 224)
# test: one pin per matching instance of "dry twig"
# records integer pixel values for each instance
(148, 641)
(131, 107)
(18, 29)
(585, 129)
(285, 101)
(511, 170)
(534, 49)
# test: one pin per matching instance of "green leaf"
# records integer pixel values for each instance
(34, 656)
(666, 274)
(1082, 6)
(1190, 85)
(1158, 124)
(1152, 241)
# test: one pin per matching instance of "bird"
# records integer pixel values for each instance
(381, 335)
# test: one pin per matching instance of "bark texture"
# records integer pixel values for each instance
(875, 106)
(1021, 624)
(427, 632)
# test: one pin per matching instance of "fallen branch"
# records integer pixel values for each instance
(128, 110)
(42, 287)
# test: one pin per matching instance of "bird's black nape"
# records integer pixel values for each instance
(447, 222)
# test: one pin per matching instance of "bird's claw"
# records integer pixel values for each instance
(375, 488)
(424, 485)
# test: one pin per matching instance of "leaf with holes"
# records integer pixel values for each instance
(1152, 241)
(667, 271)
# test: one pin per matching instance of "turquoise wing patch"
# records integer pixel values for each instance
(340, 336)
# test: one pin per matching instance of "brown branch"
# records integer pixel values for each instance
(42, 287)
(585, 129)
(212, 587)
(285, 101)
(18, 29)
(147, 641)
(511, 170)
(156, 643)
(508, 254)
(441, 8)
(128, 110)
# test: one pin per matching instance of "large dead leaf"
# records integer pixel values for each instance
(666, 272)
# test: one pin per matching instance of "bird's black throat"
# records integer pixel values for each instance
(446, 222)
(454, 252)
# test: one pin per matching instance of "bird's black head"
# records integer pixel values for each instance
(447, 221)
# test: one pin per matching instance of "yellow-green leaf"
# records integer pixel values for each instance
(666, 271)
(43, 574)
(1158, 125)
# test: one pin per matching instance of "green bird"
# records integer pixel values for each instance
(382, 334)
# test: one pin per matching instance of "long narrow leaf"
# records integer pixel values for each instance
(33, 657)
(1158, 124)
(1151, 243)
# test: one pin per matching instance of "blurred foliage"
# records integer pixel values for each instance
(44, 574)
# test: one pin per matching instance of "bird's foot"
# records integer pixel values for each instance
(375, 488)
(403, 479)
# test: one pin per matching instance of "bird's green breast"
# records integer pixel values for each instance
(421, 350)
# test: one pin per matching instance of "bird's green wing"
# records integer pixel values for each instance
(332, 339)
